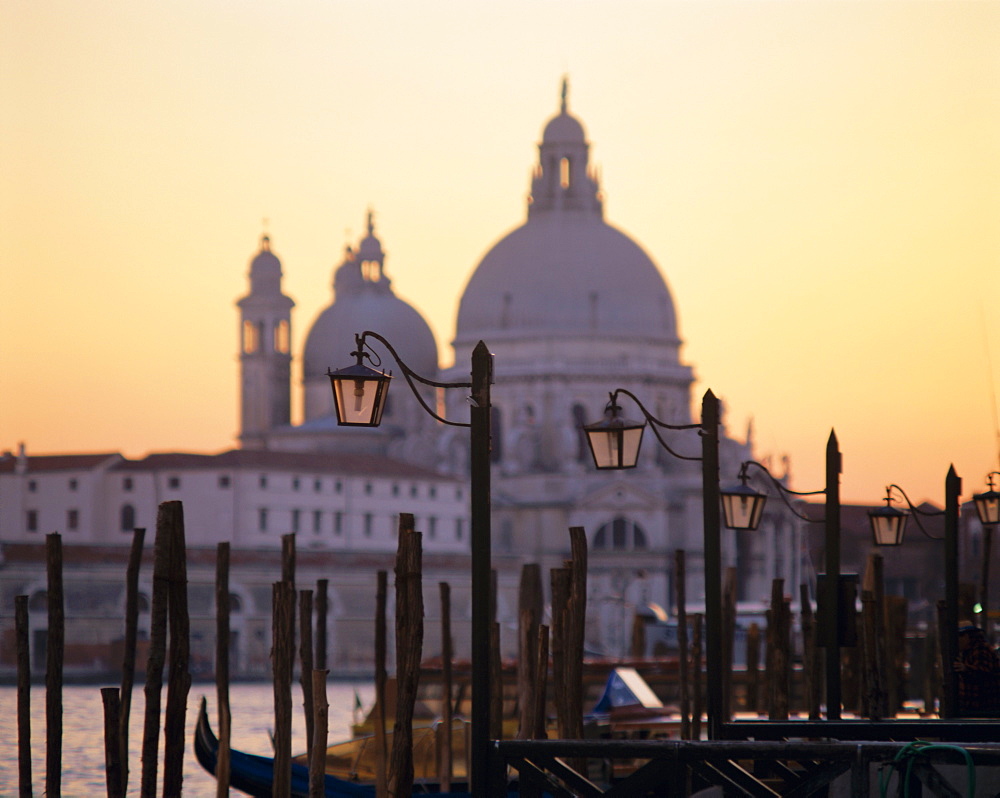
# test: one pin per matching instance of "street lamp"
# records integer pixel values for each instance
(744, 508)
(614, 443)
(359, 393)
(887, 529)
(988, 509)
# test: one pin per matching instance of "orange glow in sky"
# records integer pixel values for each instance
(818, 181)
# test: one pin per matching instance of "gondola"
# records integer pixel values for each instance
(254, 774)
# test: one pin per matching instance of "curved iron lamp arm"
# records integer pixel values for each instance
(408, 373)
(783, 492)
(917, 512)
(654, 423)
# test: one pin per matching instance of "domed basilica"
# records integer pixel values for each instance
(571, 308)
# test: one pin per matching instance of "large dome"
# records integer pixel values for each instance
(566, 274)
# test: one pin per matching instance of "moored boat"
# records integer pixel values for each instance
(350, 766)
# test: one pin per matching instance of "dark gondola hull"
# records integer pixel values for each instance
(254, 774)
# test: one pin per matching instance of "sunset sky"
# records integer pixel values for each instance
(819, 183)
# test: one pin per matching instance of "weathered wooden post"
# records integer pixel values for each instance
(810, 662)
(529, 612)
(496, 679)
(727, 641)
(54, 649)
(321, 725)
(541, 682)
(560, 580)
(778, 660)
(179, 677)
(381, 752)
(683, 654)
(574, 639)
(445, 760)
(409, 641)
(128, 656)
(282, 655)
(222, 635)
(23, 697)
(156, 660)
(322, 611)
(112, 762)
(306, 661)
(753, 668)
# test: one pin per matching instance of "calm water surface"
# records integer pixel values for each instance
(83, 733)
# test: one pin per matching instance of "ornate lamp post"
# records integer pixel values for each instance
(614, 443)
(744, 508)
(888, 525)
(988, 510)
(359, 393)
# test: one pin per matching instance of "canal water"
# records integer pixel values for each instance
(252, 708)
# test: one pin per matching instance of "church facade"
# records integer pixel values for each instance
(571, 307)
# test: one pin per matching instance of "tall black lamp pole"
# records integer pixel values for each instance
(614, 443)
(888, 525)
(744, 507)
(359, 396)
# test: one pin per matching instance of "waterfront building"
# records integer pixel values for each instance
(571, 307)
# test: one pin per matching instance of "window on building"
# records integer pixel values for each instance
(317, 521)
(296, 483)
(73, 519)
(338, 523)
(281, 337)
(262, 481)
(126, 518)
(32, 486)
(368, 525)
(262, 519)
(564, 173)
(413, 491)
(174, 483)
(338, 487)
(621, 534)
(31, 521)
(127, 484)
(459, 529)
(432, 527)
(249, 337)
(73, 484)
(317, 485)
(224, 481)
(395, 489)
(458, 493)
(368, 488)
(432, 491)
(296, 520)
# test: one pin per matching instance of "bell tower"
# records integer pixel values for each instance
(265, 351)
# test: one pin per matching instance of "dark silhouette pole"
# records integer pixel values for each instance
(713, 559)
(832, 585)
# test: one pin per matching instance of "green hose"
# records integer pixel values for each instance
(915, 749)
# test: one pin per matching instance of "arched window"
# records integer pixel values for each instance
(564, 173)
(281, 337)
(620, 534)
(127, 518)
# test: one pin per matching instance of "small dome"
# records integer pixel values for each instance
(564, 129)
(265, 269)
(364, 301)
(331, 338)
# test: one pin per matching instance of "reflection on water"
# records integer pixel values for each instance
(83, 732)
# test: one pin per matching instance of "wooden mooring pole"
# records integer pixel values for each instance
(179, 675)
(54, 648)
(128, 656)
(112, 761)
(23, 697)
(282, 655)
(222, 643)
